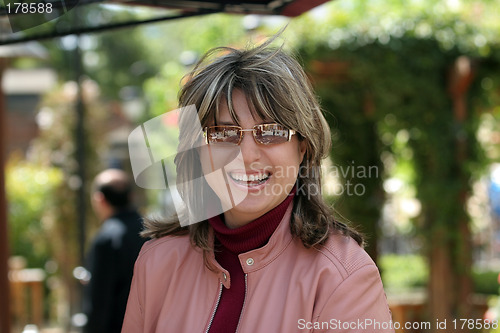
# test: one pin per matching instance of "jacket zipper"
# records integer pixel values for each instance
(215, 309)
(244, 302)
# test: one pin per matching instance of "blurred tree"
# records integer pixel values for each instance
(55, 148)
(112, 61)
(30, 189)
(128, 57)
(185, 42)
(115, 59)
(415, 74)
(395, 59)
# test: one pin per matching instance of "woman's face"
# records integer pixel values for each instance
(250, 179)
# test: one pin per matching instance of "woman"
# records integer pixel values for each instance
(275, 259)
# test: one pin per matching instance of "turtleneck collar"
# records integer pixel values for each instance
(254, 234)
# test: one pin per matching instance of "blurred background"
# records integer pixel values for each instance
(410, 88)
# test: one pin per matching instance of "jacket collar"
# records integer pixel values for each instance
(254, 260)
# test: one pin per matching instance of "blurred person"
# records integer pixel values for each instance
(113, 252)
(278, 260)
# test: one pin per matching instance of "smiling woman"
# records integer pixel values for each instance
(276, 255)
(251, 175)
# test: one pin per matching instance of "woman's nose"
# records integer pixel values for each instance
(250, 150)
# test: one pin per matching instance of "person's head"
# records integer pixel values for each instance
(274, 84)
(247, 88)
(111, 192)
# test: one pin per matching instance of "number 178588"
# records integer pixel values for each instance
(29, 8)
(474, 324)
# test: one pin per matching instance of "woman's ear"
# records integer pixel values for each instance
(302, 149)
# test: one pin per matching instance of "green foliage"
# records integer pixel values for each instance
(198, 34)
(54, 152)
(122, 59)
(129, 57)
(30, 188)
(486, 281)
(386, 80)
(161, 90)
(185, 42)
(403, 272)
(114, 58)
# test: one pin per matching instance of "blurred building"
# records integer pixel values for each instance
(23, 91)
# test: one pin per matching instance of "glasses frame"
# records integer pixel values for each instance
(254, 129)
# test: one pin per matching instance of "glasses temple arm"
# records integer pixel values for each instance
(205, 134)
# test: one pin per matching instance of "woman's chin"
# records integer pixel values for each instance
(253, 207)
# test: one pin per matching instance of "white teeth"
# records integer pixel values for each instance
(245, 178)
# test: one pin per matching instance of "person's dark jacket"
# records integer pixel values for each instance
(111, 263)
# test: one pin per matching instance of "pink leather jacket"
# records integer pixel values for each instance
(333, 288)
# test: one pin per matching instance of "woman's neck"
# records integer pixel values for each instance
(234, 221)
(253, 234)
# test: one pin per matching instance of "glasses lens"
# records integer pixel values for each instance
(269, 134)
(229, 135)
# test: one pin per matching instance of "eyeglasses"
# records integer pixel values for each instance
(265, 134)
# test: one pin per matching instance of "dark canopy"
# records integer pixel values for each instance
(56, 18)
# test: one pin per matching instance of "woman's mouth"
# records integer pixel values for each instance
(249, 180)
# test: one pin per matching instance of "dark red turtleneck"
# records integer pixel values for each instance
(228, 244)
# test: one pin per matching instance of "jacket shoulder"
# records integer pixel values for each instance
(166, 248)
(345, 254)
